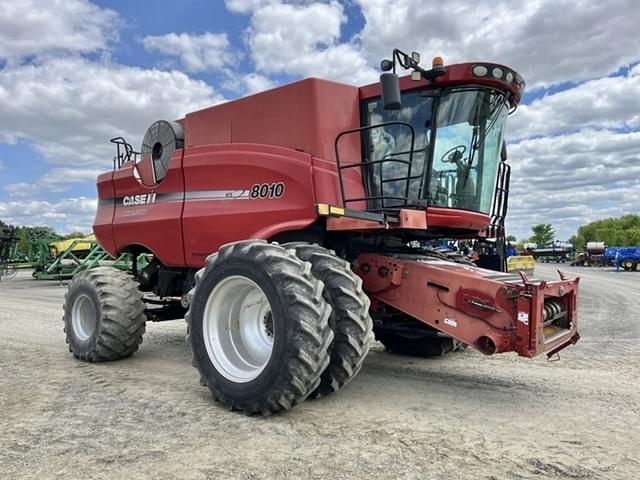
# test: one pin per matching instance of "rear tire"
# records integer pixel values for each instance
(350, 320)
(418, 345)
(246, 291)
(103, 315)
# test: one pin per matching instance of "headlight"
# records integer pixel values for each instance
(479, 70)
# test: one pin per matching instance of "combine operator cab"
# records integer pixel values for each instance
(435, 147)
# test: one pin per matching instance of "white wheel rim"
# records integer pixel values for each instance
(238, 329)
(83, 317)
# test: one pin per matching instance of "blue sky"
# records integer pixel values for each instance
(73, 73)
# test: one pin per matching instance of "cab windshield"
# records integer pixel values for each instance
(456, 136)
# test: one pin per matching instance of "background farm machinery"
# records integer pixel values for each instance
(628, 258)
(53, 259)
(556, 251)
(62, 260)
(7, 244)
(599, 254)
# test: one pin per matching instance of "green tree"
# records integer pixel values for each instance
(23, 241)
(543, 234)
(620, 232)
(43, 232)
(511, 238)
(577, 241)
(632, 237)
(74, 235)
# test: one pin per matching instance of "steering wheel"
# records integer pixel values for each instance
(449, 157)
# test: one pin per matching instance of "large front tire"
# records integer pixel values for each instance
(258, 327)
(103, 315)
(350, 320)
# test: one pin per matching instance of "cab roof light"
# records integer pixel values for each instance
(479, 70)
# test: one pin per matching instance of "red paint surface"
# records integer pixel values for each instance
(208, 224)
(451, 218)
(156, 226)
(305, 116)
(456, 75)
(283, 135)
(439, 293)
(103, 222)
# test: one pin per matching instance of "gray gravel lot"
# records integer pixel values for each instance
(461, 416)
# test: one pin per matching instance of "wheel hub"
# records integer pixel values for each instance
(84, 319)
(238, 329)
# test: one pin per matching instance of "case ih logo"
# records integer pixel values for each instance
(143, 199)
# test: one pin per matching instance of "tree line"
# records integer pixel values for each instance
(619, 232)
(26, 235)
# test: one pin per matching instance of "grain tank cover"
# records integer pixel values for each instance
(305, 116)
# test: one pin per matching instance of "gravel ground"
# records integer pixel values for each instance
(461, 416)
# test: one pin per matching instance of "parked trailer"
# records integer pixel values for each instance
(627, 257)
(557, 252)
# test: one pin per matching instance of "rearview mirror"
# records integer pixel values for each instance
(390, 89)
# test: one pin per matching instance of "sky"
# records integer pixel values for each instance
(74, 73)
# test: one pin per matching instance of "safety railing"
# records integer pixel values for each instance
(124, 152)
(375, 174)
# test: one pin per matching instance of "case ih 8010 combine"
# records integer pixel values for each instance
(288, 225)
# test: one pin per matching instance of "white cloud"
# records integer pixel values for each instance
(70, 214)
(34, 28)
(254, 82)
(547, 41)
(55, 180)
(197, 53)
(304, 40)
(573, 179)
(69, 108)
(247, 6)
(584, 162)
(601, 103)
(244, 6)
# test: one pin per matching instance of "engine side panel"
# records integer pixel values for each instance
(242, 191)
(149, 216)
(103, 223)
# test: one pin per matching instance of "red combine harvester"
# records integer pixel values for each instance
(288, 225)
